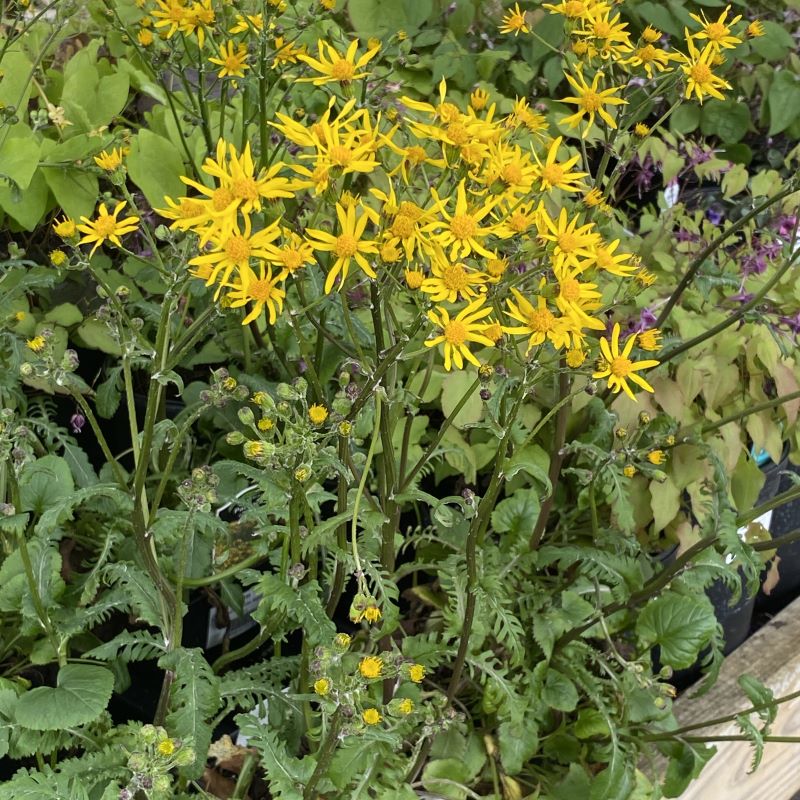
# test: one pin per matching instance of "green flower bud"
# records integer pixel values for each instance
(246, 416)
(235, 438)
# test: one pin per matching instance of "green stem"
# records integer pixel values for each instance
(780, 541)
(190, 336)
(712, 247)
(360, 490)
(324, 756)
(230, 572)
(777, 501)
(119, 473)
(713, 426)
(337, 584)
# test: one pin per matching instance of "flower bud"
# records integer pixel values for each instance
(234, 438)
(246, 416)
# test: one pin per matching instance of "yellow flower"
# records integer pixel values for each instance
(293, 254)
(19, 316)
(514, 22)
(232, 58)
(651, 58)
(640, 129)
(109, 161)
(335, 66)
(57, 257)
(462, 231)
(608, 32)
(555, 175)
(651, 34)
(594, 197)
(317, 414)
(302, 474)
(330, 5)
(496, 268)
(371, 716)
(106, 227)
(606, 258)
(171, 14)
(629, 470)
(649, 340)
(414, 278)
(456, 332)
(644, 277)
(539, 323)
(718, 33)
(262, 290)
(405, 706)
(575, 244)
(478, 99)
(348, 245)
(449, 282)
(342, 640)
(37, 344)
(700, 80)
(246, 23)
(166, 747)
(575, 299)
(372, 613)
(265, 424)
(145, 37)
(389, 252)
(416, 672)
(322, 686)
(656, 457)
(64, 228)
(253, 449)
(618, 367)
(755, 29)
(590, 100)
(371, 667)
(575, 357)
(572, 9)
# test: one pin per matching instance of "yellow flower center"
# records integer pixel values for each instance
(238, 249)
(457, 134)
(222, 198)
(463, 226)
(105, 226)
(232, 62)
(591, 101)
(575, 8)
(455, 332)
(448, 112)
(701, 73)
(603, 258)
(341, 155)
(621, 367)
(647, 54)
(493, 331)
(570, 290)
(190, 208)
(541, 320)
(416, 154)
(343, 70)
(716, 31)
(411, 210)
(567, 241)
(246, 189)
(403, 226)
(260, 290)
(292, 259)
(602, 30)
(454, 277)
(552, 174)
(346, 246)
(512, 174)
(519, 222)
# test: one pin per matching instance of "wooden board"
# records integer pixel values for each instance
(772, 655)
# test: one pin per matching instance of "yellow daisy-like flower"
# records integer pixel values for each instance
(322, 686)
(106, 227)
(539, 323)
(416, 672)
(572, 9)
(449, 282)
(166, 747)
(371, 667)
(406, 706)
(171, 14)
(294, 253)
(575, 357)
(286, 52)
(458, 331)
(57, 257)
(650, 58)
(700, 79)
(478, 99)
(109, 161)
(629, 470)
(461, 231)
(594, 197)
(347, 246)
(317, 414)
(414, 278)
(65, 228)
(555, 175)
(590, 101)
(619, 368)
(656, 457)
(608, 32)
(145, 37)
(575, 244)
(233, 60)
(372, 613)
(261, 290)
(755, 29)
(651, 34)
(334, 66)
(371, 716)
(606, 258)
(248, 22)
(640, 129)
(36, 344)
(718, 32)
(514, 21)
(650, 339)
(576, 299)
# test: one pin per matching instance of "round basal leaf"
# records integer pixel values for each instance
(65, 314)
(44, 482)
(81, 694)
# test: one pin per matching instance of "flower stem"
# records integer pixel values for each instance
(778, 401)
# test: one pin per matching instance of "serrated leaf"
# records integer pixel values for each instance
(44, 482)
(516, 514)
(80, 695)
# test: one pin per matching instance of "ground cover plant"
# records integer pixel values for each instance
(442, 340)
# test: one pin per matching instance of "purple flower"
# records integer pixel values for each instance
(714, 215)
(786, 224)
(77, 421)
(646, 319)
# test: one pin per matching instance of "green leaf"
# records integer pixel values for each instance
(109, 395)
(759, 695)
(155, 166)
(140, 590)
(681, 626)
(685, 764)
(440, 775)
(19, 154)
(95, 335)
(44, 482)
(374, 17)
(516, 514)
(685, 118)
(775, 44)
(194, 700)
(532, 459)
(590, 723)
(64, 314)
(16, 86)
(46, 565)
(74, 189)
(454, 387)
(82, 471)
(665, 502)
(559, 691)
(735, 181)
(459, 455)
(783, 101)
(80, 695)
(27, 207)
(729, 120)
(519, 742)
(62, 509)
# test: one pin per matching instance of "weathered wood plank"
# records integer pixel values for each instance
(772, 655)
